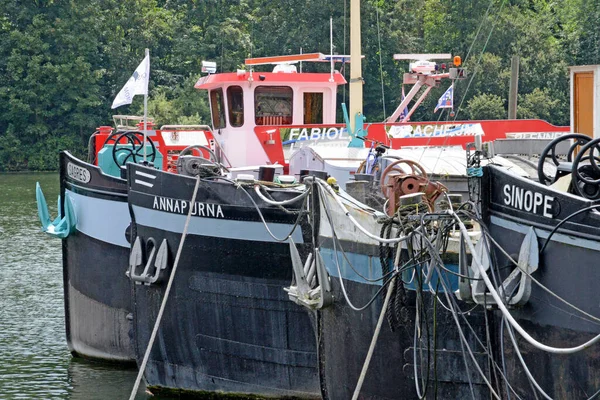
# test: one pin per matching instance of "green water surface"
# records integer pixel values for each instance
(35, 362)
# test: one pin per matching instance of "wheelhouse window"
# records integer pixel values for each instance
(217, 108)
(235, 101)
(274, 105)
(313, 108)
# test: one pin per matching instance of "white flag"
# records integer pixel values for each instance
(137, 84)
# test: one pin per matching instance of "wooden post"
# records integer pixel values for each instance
(514, 87)
(356, 81)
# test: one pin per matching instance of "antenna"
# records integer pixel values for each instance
(331, 47)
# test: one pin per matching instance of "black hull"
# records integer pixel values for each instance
(568, 267)
(345, 337)
(97, 292)
(444, 368)
(228, 326)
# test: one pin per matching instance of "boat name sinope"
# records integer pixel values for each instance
(210, 210)
(529, 201)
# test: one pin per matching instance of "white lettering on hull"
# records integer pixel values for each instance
(318, 133)
(527, 200)
(198, 209)
(437, 130)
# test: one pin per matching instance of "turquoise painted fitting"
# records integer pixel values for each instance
(62, 226)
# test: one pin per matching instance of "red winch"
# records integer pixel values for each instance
(396, 182)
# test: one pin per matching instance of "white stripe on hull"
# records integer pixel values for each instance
(105, 220)
(543, 234)
(215, 227)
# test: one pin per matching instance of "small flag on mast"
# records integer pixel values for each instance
(447, 99)
(137, 84)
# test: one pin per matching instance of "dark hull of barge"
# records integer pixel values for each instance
(345, 336)
(97, 293)
(567, 266)
(228, 326)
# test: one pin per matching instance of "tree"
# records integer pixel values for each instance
(486, 106)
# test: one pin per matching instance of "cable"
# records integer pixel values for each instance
(510, 318)
(523, 364)
(343, 287)
(300, 213)
(163, 304)
(593, 318)
(565, 220)
(365, 367)
(279, 203)
(328, 189)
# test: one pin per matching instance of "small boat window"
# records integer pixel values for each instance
(313, 108)
(235, 101)
(217, 108)
(273, 105)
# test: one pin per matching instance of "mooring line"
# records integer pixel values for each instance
(167, 291)
(388, 295)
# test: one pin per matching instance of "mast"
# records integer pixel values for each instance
(356, 81)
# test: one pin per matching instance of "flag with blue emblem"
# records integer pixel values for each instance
(446, 101)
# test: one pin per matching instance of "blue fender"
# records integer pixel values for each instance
(62, 226)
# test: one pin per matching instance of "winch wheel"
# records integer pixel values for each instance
(124, 154)
(550, 153)
(189, 151)
(212, 160)
(586, 175)
(415, 169)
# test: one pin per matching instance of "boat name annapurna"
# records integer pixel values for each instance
(528, 200)
(199, 209)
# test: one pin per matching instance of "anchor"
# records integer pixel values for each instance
(515, 289)
(528, 261)
(155, 265)
(478, 287)
(63, 225)
(464, 285)
(312, 289)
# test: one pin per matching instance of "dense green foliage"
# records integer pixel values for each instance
(62, 62)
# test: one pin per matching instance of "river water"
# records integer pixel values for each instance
(35, 362)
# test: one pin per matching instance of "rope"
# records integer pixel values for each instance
(365, 367)
(328, 189)
(279, 203)
(478, 61)
(138, 379)
(591, 317)
(506, 313)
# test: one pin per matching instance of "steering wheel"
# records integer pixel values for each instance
(124, 154)
(550, 152)
(415, 169)
(210, 161)
(586, 177)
